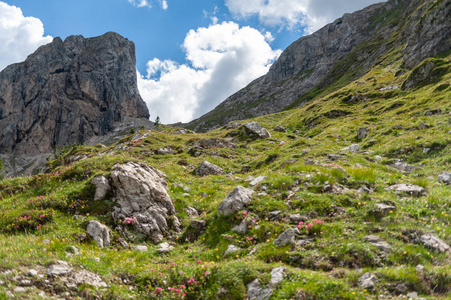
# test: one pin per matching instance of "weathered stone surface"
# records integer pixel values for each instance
(102, 187)
(353, 148)
(206, 168)
(363, 133)
(141, 194)
(141, 248)
(409, 189)
(277, 275)
(381, 210)
(192, 212)
(257, 180)
(254, 129)
(378, 242)
(214, 143)
(238, 199)
(256, 292)
(242, 228)
(164, 248)
(231, 249)
(433, 242)
(280, 128)
(403, 167)
(367, 281)
(67, 92)
(86, 277)
(198, 224)
(286, 237)
(445, 178)
(165, 151)
(61, 268)
(99, 232)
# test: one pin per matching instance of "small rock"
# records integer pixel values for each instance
(309, 162)
(378, 242)
(25, 282)
(445, 178)
(289, 162)
(256, 292)
(20, 289)
(277, 275)
(99, 232)
(381, 210)
(239, 198)
(32, 273)
(192, 212)
(333, 157)
(367, 281)
(419, 269)
(233, 125)
(410, 189)
(242, 228)
(102, 187)
(363, 133)
(304, 242)
(257, 181)
(353, 148)
(412, 295)
(72, 250)
(280, 128)
(88, 278)
(433, 242)
(401, 288)
(200, 225)
(255, 129)
(206, 168)
(287, 237)
(141, 248)
(422, 126)
(403, 167)
(165, 151)
(164, 248)
(61, 268)
(296, 218)
(231, 249)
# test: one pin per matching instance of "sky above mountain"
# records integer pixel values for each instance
(191, 55)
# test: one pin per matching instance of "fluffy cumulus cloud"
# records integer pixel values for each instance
(222, 59)
(19, 35)
(147, 3)
(291, 13)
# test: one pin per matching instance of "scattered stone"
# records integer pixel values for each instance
(99, 232)
(419, 269)
(304, 242)
(164, 248)
(410, 189)
(433, 242)
(20, 289)
(401, 288)
(25, 282)
(280, 128)
(231, 249)
(141, 248)
(275, 215)
(363, 133)
(256, 130)
(192, 212)
(200, 225)
(287, 237)
(257, 181)
(389, 88)
(277, 275)
(207, 168)
(422, 126)
(165, 151)
(412, 295)
(367, 281)
(32, 273)
(289, 162)
(256, 292)
(233, 125)
(61, 268)
(333, 157)
(309, 162)
(88, 278)
(72, 250)
(445, 178)
(381, 210)
(215, 143)
(141, 194)
(353, 148)
(378, 242)
(242, 228)
(183, 162)
(239, 198)
(426, 150)
(403, 167)
(296, 218)
(102, 187)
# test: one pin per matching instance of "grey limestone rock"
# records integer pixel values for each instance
(280, 128)
(102, 187)
(378, 242)
(99, 232)
(141, 194)
(88, 278)
(61, 268)
(242, 228)
(286, 237)
(238, 199)
(403, 167)
(207, 168)
(164, 248)
(256, 292)
(254, 129)
(363, 133)
(141, 248)
(353, 148)
(367, 281)
(445, 178)
(409, 189)
(257, 180)
(433, 242)
(231, 249)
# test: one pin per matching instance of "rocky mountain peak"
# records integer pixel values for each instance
(67, 92)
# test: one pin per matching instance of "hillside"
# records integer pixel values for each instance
(328, 220)
(338, 54)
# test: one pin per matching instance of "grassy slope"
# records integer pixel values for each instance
(329, 268)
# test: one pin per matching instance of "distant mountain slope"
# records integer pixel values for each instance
(338, 54)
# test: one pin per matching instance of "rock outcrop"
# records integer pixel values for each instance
(142, 199)
(68, 92)
(349, 46)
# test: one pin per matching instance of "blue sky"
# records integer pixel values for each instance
(191, 55)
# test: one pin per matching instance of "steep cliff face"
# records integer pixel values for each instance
(68, 92)
(339, 53)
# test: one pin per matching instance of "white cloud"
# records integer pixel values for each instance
(311, 13)
(222, 59)
(164, 4)
(19, 35)
(140, 3)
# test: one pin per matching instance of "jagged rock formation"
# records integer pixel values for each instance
(68, 92)
(337, 54)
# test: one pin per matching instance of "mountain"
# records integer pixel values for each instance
(68, 92)
(337, 54)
